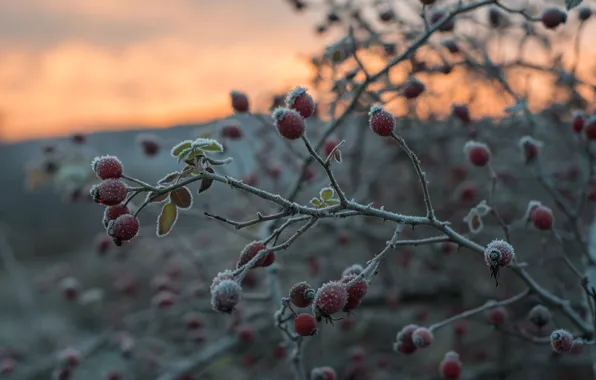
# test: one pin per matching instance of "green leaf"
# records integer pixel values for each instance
(166, 220)
(184, 154)
(315, 202)
(209, 145)
(332, 202)
(178, 148)
(326, 193)
(181, 197)
(570, 4)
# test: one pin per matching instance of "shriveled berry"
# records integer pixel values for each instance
(542, 217)
(124, 228)
(539, 316)
(450, 367)
(239, 101)
(113, 212)
(107, 167)
(413, 88)
(422, 337)
(330, 298)
(323, 373)
(109, 192)
(477, 153)
(561, 341)
(251, 250)
(497, 315)
(225, 296)
(289, 123)
(356, 292)
(498, 253)
(305, 325)
(300, 100)
(553, 17)
(302, 294)
(381, 121)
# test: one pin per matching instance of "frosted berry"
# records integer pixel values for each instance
(584, 13)
(381, 121)
(477, 153)
(107, 167)
(355, 269)
(124, 228)
(450, 367)
(225, 296)
(542, 217)
(289, 123)
(300, 100)
(113, 212)
(323, 373)
(461, 112)
(497, 315)
(355, 292)
(404, 342)
(553, 17)
(529, 148)
(305, 325)
(221, 276)
(539, 316)
(239, 101)
(109, 192)
(422, 337)
(251, 250)
(499, 253)
(577, 124)
(413, 88)
(302, 294)
(329, 299)
(561, 341)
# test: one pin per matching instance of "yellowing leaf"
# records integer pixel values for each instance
(166, 220)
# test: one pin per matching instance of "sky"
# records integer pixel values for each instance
(71, 66)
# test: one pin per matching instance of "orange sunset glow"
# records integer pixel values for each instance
(80, 66)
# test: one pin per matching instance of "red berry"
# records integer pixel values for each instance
(280, 351)
(499, 253)
(404, 342)
(164, 299)
(539, 316)
(239, 101)
(113, 212)
(461, 112)
(302, 294)
(477, 153)
(323, 373)
(497, 315)
(78, 138)
(233, 132)
(107, 167)
(467, 192)
(70, 288)
(246, 333)
(460, 328)
(149, 144)
(561, 341)
(289, 123)
(251, 250)
(578, 122)
(529, 148)
(422, 337)
(329, 145)
(590, 128)
(70, 357)
(193, 321)
(109, 192)
(305, 325)
(380, 121)
(542, 217)
(225, 295)
(413, 88)
(330, 298)
(7, 366)
(355, 292)
(103, 244)
(114, 375)
(124, 228)
(450, 367)
(300, 100)
(553, 17)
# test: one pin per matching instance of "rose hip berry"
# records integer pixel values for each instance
(124, 228)
(107, 167)
(498, 254)
(193, 321)
(413, 88)
(329, 299)
(561, 341)
(529, 148)
(113, 212)
(590, 128)
(305, 325)
(422, 337)
(461, 112)
(355, 292)
(404, 342)
(225, 295)
(289, 123)
(381, 121)
(450, 367)
(109, 192)
(497, 315)
(149, 144)
(323, 373)
(232, 132)
(542, 217)
(300, 100)
(539, 316)
(302, 294)
(577, 124)
(239, 101)
(477, 153)
(553, 17)
(102, 244)
(251, 250)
